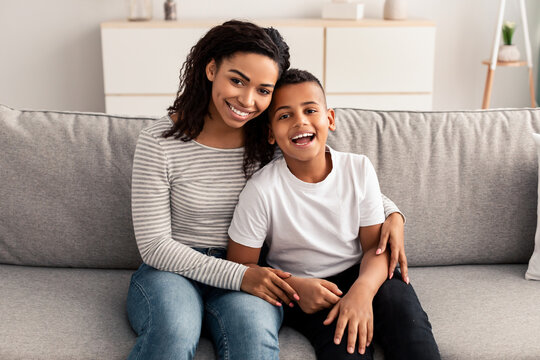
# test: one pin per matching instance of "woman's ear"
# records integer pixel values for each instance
(211, 69)
(331, 114)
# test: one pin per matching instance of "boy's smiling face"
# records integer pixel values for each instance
(299, 122)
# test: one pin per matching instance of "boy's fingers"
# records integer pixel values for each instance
(332, 315)
(403, 266)
(351, 337)
(332, 287)
(362, 337)
(369, 333)
(340, 328)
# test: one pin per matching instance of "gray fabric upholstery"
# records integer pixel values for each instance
(66, 180)
(481, 311)
(466, 181)
(52, 313)
(477, 312)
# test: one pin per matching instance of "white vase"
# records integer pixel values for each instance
(508, 53)
(395, 10)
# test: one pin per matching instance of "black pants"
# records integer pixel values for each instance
(401, 326)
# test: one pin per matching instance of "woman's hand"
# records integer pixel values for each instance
(267, 283)
(355, 312)
(315, 294)
(392, 232)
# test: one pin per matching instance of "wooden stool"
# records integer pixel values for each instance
(493, 63)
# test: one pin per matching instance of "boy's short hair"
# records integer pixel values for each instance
(297, 76)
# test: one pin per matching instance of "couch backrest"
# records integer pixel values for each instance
(466, 181)
(65, 181)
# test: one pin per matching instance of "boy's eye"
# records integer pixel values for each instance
(283, 116)
(311, 111)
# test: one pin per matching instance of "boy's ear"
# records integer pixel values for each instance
(271, 137)
(331, 114)
(211, 69)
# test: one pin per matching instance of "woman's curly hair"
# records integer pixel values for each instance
(195, 90)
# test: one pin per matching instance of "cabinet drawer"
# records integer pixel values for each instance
(155, 106)
(418, 102)
(306, 47)
(145, 60)
(380, 59)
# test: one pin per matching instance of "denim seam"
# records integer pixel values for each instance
(149, 321)
(215, 314)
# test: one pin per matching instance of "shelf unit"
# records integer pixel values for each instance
(368, 63)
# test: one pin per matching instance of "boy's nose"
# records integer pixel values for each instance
(301, 119)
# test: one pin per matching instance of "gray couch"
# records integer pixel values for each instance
(466, 181)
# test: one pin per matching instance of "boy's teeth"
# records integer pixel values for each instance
(302, 135)
(236, 111)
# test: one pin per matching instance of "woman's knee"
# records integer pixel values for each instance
(244, 326)
(166, 312)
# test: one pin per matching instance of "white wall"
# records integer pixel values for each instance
(51, 52)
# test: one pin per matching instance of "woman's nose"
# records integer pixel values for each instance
(247, 99)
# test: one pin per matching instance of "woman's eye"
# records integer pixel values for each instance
(236, 81)
(265, 91)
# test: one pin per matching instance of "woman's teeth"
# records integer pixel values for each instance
(238, 112)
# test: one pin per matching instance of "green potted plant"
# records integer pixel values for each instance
(508, 51)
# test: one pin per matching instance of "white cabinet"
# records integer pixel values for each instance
(367, 64)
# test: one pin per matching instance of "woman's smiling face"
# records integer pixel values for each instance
(242, 87)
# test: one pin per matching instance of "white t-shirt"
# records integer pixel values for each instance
(311, 229)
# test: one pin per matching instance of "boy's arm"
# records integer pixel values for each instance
(317, 294)
(266, 283)
(355, 308)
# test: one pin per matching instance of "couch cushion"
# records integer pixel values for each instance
(477, 312)
(50, 313)
(533, 271)
(465, 180)
(66, 180)
(481, 311)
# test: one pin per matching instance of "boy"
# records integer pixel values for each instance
(314, 207)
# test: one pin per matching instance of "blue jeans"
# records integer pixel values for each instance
(168, 312)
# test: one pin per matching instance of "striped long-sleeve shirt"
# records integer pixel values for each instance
(183, 196)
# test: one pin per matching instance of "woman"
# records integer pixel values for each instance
(189, 168)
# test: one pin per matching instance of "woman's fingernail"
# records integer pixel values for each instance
(350, 349)
(278, 303)
(407, 280)
(378, 251)
(337, 341)
(291, 304)
(391, 274)
(296, 297)
(362, 351)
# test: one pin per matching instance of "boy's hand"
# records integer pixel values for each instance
(392, 232)
(267, 283)
(355, 312)
(315, 294)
